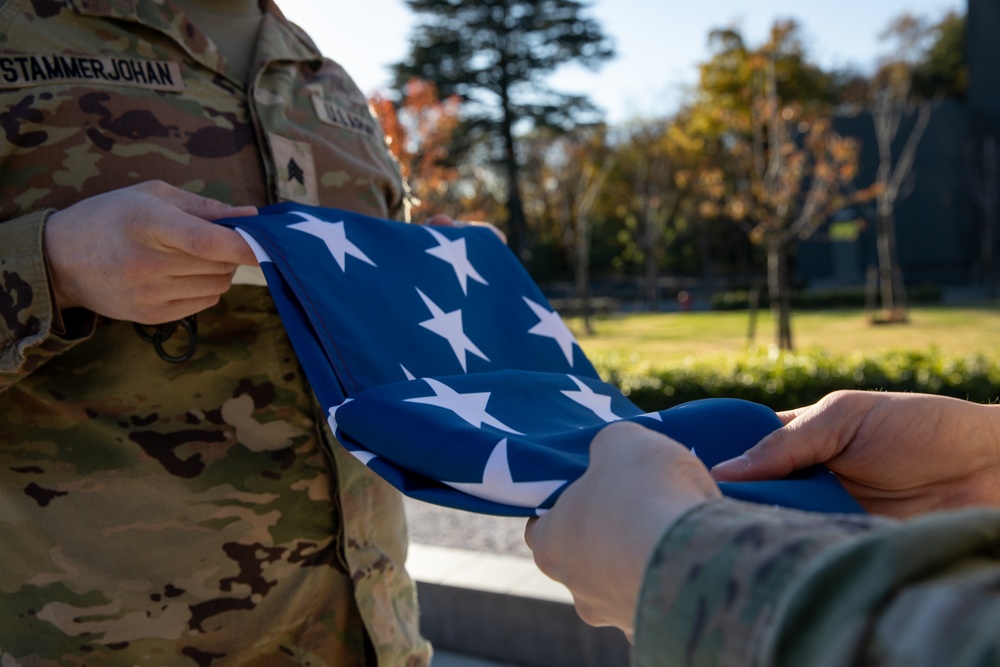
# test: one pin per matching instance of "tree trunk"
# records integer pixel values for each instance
(707, 254)
(753, 306)
(988, 199)
(652, 272)
(779, 293)
(515, 208)
(583, 281)
(582, 271)
(890, 277)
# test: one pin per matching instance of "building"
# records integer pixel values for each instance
(946, 216)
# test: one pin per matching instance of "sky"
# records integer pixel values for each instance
(658, 42)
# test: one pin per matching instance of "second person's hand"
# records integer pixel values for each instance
(898, 454)
(600, 534)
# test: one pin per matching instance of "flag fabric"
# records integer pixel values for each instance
(444, 369)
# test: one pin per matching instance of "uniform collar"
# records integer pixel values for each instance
(281, 39)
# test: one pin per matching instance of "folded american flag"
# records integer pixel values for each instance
(444, 369)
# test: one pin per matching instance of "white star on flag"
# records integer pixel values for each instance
(360, 454)
(500, 487)
(454, 253)
(655, 416)
(598, 404)
(334, 236)
(550, 325)
(470, 407)
(449, 326)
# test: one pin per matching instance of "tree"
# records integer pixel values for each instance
(800, 172)
(649, 193)
(985, 194)
(889, 103)
(890, 91)
(941, 69)
(570, 172)
(729, 80)
(780, 170)
(495, 54)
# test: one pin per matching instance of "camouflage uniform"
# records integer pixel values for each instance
(738, 584)
(191, 514)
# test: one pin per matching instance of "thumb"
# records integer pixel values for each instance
(529, 532)
(805, 440)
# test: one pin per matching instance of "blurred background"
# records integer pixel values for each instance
(769, 200)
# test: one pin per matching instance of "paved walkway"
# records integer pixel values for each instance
(495, 610)
(479, 571)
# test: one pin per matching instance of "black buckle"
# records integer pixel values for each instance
(159, 334)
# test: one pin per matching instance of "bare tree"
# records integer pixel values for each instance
(578, 229)
(568, 175)
(888, 102)
(647, 172)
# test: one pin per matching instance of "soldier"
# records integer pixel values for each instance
(176, 500)
(646, 542)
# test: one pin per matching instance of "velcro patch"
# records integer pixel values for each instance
(20, 71)
(295, 171)
(332, 114)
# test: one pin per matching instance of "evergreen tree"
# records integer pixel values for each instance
(495, 55)
(942, 71)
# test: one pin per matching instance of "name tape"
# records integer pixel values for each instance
(33, 70)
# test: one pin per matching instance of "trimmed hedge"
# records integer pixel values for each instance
(784, 380)
(848, 297)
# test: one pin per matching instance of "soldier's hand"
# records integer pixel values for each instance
(600, 534)
(146, 253)
(897, 454)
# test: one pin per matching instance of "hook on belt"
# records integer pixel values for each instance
(158, 335)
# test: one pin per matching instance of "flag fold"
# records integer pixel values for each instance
(443, 368)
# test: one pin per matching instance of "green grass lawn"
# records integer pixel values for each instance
(663, 336)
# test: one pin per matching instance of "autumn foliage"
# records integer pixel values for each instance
(418, 131)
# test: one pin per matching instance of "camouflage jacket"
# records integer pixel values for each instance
(738, 584)
(198, 513)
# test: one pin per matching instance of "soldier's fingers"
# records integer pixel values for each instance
(139, 268)
(441, 220)
(790, 415)
(194, 266)
(205, 240)
(205, 208)
(173, 310)
(193, 287)
(158, 301)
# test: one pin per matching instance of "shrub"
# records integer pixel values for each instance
(784, 380)
(848, 297)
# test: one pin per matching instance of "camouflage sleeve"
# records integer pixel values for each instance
(31, 329)
(739, 584)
